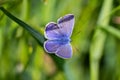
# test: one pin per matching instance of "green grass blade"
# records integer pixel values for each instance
(39, 37)
(97, 45)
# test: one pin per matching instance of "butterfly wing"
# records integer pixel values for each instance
(66, 23)
(64, 51)
(64, 28)
(51, 46)
(52, 31)
(61, 49)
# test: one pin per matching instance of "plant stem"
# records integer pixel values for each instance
(111, 30)
(99, 38)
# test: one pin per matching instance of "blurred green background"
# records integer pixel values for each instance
(95, 40)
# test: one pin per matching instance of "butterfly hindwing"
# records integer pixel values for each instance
(64, 51)
(51, 46)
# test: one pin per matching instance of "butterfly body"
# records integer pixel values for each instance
(62, 41)
(58, 35)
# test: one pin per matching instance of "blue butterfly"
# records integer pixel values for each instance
(58, 35)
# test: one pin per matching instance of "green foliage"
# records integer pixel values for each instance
(95, 40)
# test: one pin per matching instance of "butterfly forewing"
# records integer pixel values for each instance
(66, 23)
(52, 31)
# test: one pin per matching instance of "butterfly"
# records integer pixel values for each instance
(58, 36)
